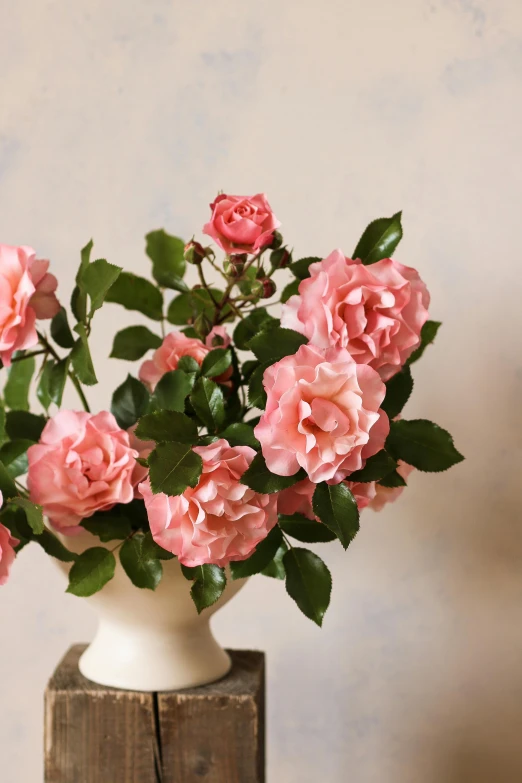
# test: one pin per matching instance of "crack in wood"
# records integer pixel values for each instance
(156, 735)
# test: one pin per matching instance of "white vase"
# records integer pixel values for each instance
(151, 640)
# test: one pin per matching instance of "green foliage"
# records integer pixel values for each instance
(290, 290)
(172, 390)
(7, 486)
(137, 293)
(57, 379)
(140, 562)
(261, 558)
(309, 531)
(422, 444)
(300, 269)
(240, 434)
(189, 365)
(186, 307)
(392, 480)
(133, 343)
(398, 391)
(216, 362)
(207, 400)
(256, 321)
(13, 456)
(375, 468)
(308, 582)
(260, 479)
(209, 583)
(16, 390)
(60, 330)
(274, 344)
(174, 467)
(24, 425)
(379, 239)
(79, 295)
(81, 357)
(54, 547)
(91, 571)
(108, 527)
(96, 280)
(167, 255)
(167, 425)
(256, 390)
(275, 568)
(33, 513)
(428, 334)
(42, 391)
(129, 402)
(336, 507)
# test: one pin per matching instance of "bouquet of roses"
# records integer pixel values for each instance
(242, 436)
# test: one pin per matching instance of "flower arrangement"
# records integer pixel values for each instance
(241, 433)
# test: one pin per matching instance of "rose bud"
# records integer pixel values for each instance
(280, 258)
(269, 288)
(194, 253)
(277, 241)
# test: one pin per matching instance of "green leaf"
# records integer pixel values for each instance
(79, 296)
(85, 257)
(379, 240)
(216, 362)
(24, 425)
(3, 434)
(392, 480)
(42, 391)
(259, 478)
(133, 343)
(129, 402)
(336, 507)
(143, 569)
(308, 582)
(108, 527)
(274, 344)
(310, 531)
(16, 390)
(57, 379)
(255, 322)
(208, 586)
(292, 289)
(13, 456)
(172, 390)
(173, 468)
(261, 558)
(256, 390)
(81, 357)
(91, 571)
(186, 307)
(33, 513)
(167, 255)
(428, 334)
(207, 401)
(398, 390)
(60, 330)
(376, 467)
(188, 364)
(54, 547)
(167, 426)
(240, 434)
(96, 280)
(248, 368)
(7, 486)
(276, 569)
(422, 444)
(300, 268)
(137, 293)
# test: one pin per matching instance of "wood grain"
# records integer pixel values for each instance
(214, 733)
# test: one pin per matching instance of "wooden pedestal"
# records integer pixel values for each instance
(213, 733)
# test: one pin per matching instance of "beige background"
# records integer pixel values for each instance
(119, 117)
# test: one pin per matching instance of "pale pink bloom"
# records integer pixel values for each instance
(376, 312)
(322, 414)
(27, 292)
(218, 337)
(7, 553)
(219, 521)
(385, 495)
(297, 499)
(83, 463)
(363, 492)
(241, 224)
(166, 357)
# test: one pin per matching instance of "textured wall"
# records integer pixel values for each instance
(119, 117)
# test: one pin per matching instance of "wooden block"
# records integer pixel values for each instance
(214, 733)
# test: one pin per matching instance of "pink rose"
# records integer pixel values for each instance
(220, 520)
(82, 464)
(385, 495)
(241, 224)
(218, 337)
(26, 293)
(7, 553)
(297, 499)
(166, 357)
(322, 414)
(363, 492)
(376, 312)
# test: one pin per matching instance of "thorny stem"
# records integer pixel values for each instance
(77, 385)
(27, 356)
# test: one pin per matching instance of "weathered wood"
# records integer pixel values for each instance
(216, 733)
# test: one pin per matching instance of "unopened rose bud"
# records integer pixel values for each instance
(194, 253)
(269, 288)
(277, 240)
(280, 258)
